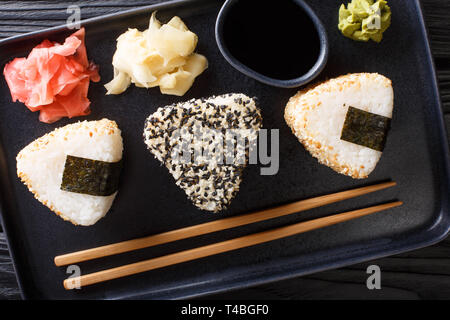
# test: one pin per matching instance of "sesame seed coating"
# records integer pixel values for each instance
(205, 143)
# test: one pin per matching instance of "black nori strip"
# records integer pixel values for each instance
(365, 128)
(93, 177)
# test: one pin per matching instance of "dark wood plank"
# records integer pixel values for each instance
(8, 284)
(444, 86)
(24, 16)
(436, 16)
(421, 274)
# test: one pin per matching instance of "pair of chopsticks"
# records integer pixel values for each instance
(218, 225)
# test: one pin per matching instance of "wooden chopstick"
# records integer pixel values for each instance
(221, 247)
(213, 226)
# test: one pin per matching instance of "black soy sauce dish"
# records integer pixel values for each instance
(281, 43)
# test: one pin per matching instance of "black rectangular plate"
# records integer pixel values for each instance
(415, 156)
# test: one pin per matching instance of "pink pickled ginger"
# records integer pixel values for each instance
(54, 78)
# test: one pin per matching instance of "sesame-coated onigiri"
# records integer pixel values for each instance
(204, 127)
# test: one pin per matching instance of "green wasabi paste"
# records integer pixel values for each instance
(363, 20)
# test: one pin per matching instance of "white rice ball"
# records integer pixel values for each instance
(40, 165)
(316, 116)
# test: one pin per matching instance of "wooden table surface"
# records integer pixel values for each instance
(421, 274)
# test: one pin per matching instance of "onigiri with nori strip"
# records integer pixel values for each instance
(363, 102)
(42, 163)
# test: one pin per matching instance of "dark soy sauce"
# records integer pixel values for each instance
(275, 38)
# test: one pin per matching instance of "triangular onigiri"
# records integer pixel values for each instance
(205, 125)
(316, 116)
(40, 165)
